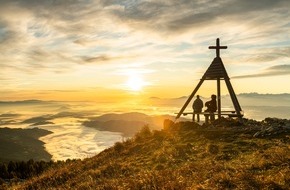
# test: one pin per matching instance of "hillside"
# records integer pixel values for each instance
(184, 155)
(127, 123)
(22, 145)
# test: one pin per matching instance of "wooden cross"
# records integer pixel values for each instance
(218, 47)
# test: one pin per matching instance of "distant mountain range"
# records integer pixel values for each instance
(252, 95)
(24, 102)
(246, 99)
(283, 98)
(256, 99)
(258, 94)
(179, 98)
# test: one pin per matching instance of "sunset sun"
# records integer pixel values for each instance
(135, 83)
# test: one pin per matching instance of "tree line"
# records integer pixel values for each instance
(22, 169)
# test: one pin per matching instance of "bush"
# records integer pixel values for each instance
(118, 147)
(144, 133)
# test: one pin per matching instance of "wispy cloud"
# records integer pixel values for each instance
(103, 58)
(276, 70)
(178, 16)
(270, 54)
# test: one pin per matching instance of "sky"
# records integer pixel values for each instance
(115, 50)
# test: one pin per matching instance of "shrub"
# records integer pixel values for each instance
(144, 133)
(118, 147)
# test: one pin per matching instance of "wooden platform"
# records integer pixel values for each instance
(211, 116)
(228, 113)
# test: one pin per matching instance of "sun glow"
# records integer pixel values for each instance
(135, 83)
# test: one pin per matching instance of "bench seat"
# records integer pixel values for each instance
(228, 113)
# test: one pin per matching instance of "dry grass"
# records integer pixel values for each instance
(184, 156)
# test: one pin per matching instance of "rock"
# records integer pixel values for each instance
(273, 127)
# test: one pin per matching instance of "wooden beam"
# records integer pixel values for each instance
(234, 98)
(219, 97)
(189, 98)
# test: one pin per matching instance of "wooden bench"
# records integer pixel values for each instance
(208, 114)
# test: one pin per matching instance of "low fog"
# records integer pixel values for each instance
(81, 130)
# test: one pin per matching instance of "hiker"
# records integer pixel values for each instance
(211, 107)
(197, 108)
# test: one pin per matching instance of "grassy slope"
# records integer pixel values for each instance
(184, 156)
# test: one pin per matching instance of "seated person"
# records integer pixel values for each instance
(211, 107)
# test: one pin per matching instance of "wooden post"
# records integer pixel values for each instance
(189, 98)
(234, 99)
(219, 97)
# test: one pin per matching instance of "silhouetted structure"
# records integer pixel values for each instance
(216, 71)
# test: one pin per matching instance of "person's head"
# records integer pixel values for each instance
(213, 97)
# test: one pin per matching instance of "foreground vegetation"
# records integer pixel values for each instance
(185, 155)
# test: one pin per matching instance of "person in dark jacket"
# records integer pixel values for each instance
(197, 108)
(211, 106)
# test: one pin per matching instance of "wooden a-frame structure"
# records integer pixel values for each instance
(216, 71)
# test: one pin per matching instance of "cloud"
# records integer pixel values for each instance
(163, 16)
(44, 37)
(99, 59)
(80, 17)
(270, 54)
(277, 70)
(84, 21)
